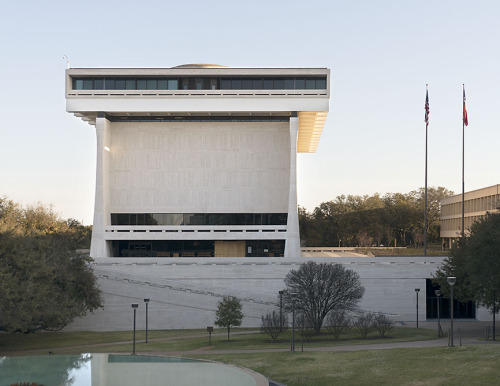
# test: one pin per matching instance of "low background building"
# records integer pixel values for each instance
(477, 204)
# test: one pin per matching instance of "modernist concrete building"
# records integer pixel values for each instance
(196, 195)
(477, 204)
(198, 160)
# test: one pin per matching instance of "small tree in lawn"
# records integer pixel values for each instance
(228, 313)
(382, 323)
(364, 323)
(271, 324)
(338, 322)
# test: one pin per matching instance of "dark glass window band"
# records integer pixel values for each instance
(206, 83)
(209, 219)
(192, 118)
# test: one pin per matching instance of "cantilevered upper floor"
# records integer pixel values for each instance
(203, 93)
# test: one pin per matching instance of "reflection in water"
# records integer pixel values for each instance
(110, 369)
(43, 370)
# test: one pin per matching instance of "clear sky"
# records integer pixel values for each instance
(381, 54)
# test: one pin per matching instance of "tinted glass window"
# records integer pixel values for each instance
(152, 84)
(130, 84)
(246, 84)
(288, 84)
(122, 219)
(300, 84)
(78, 84)
(310, 84)
(225, 84)
(257, 84)
(185, 84)
(109, 84)
(99, 84)
(88, 84)
(162, 84)
(321, 84)
(236, 84)
(268, 84)
(173, 84)
(279, 84)
(120, 84)
(141, 84)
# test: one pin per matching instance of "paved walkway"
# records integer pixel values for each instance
(465, 333)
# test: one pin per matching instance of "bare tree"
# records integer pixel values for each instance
(337, 322)
(304, 327)
(364, 323)
(271, 324)
(382, 323)
(322, 288)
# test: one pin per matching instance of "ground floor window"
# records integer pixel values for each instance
(461, 310)
(198, 248)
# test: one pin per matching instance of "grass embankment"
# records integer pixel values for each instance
(185, 340)
(472, 365)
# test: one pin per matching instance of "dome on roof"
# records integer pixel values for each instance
(200, 65)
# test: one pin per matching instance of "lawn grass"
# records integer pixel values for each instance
(471, 365)
(186, 340)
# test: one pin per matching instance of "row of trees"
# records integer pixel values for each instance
(314, 291)
(394, 219)
(44, 282)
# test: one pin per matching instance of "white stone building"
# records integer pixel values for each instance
(196, 194)
(198, 160)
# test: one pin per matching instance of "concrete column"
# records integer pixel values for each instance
(292, 244)
(98, 246)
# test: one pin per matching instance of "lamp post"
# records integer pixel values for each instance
(417, 290)
(451, 281)
(146, 301)
(293, 295)
(281, 309)
(438, 294)
(134, 306)
(494, 312)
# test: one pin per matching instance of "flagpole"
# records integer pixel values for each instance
(426, 126)
(463, 165)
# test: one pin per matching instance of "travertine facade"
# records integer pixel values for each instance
(198, 160)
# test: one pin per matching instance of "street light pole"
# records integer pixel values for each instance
(451, 281)
(146, 301)
(134, 306)
(293, 295)
(417, 290)
(494, 312)
(281, 310)
(438, 294)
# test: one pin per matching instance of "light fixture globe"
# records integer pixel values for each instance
(451, 280)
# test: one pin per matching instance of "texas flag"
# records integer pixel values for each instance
(466, 122)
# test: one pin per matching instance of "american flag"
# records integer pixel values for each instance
(466, 121)
(427, 108)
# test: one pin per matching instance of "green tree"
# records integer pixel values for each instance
(475, 263)
(44, 285)
(229, 313)
(322, 288)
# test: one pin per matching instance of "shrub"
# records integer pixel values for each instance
(364, 323)
(337, 323)
(271, 324)
(382, 323)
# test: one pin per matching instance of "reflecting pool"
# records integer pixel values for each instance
(113, 369)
